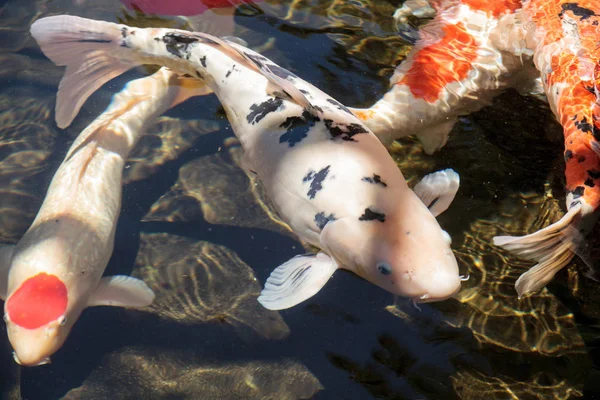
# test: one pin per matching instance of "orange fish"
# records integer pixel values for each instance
(472, 50)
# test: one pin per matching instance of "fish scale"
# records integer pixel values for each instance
(310, 153)
(469, 53)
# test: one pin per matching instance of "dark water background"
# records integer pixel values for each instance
(199, 231)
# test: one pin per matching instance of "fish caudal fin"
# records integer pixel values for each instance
(121, 291)
(87, 48)
(6, 252)
(552, 247)
(437, 190)
(296, 280)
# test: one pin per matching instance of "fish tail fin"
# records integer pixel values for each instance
(552, 247)
(87, 48)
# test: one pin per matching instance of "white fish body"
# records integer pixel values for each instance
(55, 271)
(327, 175)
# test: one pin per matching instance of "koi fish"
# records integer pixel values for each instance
(458, 65)
(471, 51)
(327, 175)
(55, 271)
(564, 36)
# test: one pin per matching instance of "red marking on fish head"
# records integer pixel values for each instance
(39, 300)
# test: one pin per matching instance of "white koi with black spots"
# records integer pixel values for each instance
(327, 175)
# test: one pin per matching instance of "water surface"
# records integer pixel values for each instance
(200, 231)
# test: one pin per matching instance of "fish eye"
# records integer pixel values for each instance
(62, 320)
(384, 268)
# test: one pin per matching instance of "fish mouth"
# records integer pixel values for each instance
(426, 298)
(44, 361)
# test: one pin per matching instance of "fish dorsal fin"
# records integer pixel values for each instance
(121, 291)
(261, 64)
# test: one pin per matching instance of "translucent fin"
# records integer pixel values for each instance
(121, 291)
(86, 47)
(296, 280)
(190, 87)
(433, 138)
(218, 22)
(437, 190)
(552, 247)
(6, 252)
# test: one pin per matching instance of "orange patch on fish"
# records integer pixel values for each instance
(495, 8)
(38, 301)
(437, 65)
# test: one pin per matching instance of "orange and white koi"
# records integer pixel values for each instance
(55, 271)
(473, 49)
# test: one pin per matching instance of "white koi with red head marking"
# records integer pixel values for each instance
(55, 271)
(327, 175)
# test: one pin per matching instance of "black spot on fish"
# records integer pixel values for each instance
(581, 12)
(203, 61)
(97, 41)
(580, 159)
(321, 219)
(304, 91)
(375, 179)
(568, 155)
(316, 181)
(280, 72)
(230, 71)
(339, 105)
(590, 89)
(371, 215)
(589, 182)
(594, 173)
(344, 131)
(199, 75)
(574, 203)
(584, 125)
(124, 32)
(257, 59)
(578, 192)
(178, 44)
(260, 110)
(297, 128)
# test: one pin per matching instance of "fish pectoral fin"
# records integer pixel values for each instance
(121, 291)
(188, 88)
(437, 190)
(6, 252)
(296, 280)
(434, 137)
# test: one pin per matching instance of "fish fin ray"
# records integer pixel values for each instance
(552, 247)
(438, 189)
(85, 47)
(296, 280)
(121, 291)
(6, 252)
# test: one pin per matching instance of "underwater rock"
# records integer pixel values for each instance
(26, 145)
(199, 282)
(166, 140)
(136, 373)
(225, 193)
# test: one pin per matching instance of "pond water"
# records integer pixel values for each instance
(202, 234)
